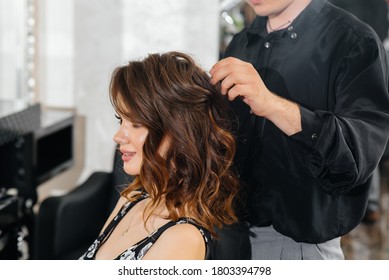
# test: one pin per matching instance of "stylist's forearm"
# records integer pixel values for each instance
(284, 114)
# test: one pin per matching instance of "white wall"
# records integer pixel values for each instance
(183, 25)
(82, 41)
(56, 52)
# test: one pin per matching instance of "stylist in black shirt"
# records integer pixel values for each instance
(313, 115)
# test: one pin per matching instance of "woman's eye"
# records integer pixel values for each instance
(119, 118)
(136, 125)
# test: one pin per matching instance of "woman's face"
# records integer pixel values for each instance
(131, 137)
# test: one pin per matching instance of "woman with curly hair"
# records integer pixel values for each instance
(175, 139)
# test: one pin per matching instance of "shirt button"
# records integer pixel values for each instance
(290, 28)
(267, 45)
(314, 137)
(293, 35)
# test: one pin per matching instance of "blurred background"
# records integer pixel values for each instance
(56, 121)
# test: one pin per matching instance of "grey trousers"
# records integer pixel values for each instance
(268, 244)
(373, 203)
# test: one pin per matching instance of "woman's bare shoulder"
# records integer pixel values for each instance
(181, 241)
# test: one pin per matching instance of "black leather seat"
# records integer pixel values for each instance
(67, 225)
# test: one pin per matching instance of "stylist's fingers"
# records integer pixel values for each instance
(219, 74)
(220, 64)
(228, 82)
(223, 68)
(235, 91)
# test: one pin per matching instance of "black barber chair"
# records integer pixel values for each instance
(67, 225)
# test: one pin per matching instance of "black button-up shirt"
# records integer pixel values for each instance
(313, 186)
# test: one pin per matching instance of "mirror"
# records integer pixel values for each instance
(17, 51)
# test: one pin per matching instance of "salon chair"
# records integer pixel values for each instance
(67, 225)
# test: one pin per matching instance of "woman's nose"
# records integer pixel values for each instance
(121, 137)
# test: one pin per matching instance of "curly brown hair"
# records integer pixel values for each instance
(174, 98)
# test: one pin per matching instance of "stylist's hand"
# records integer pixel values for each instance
(239, 78)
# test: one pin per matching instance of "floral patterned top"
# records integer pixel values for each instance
(138, 250)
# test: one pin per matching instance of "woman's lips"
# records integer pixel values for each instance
(127, 156)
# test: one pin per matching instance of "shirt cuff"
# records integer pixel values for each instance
(311, 128)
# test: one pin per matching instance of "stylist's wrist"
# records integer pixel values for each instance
(264, 105)
(284, 113)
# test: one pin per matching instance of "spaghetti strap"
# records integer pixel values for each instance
(138, 250)
(121, 213)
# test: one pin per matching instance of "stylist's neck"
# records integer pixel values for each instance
(289, 13)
